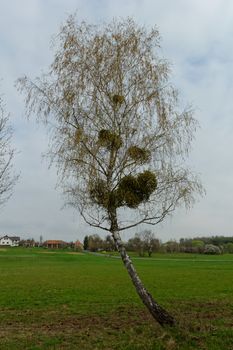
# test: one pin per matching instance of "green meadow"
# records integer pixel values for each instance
(65, 300)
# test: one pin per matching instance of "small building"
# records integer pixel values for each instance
(55, 244)
(10, 241)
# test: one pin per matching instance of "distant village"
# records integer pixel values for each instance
(15, 241)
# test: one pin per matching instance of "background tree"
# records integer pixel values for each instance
(85, 243)
(41, 241)
(108, 243)
(7, 177)
(143, 242)
(150, 243)
(212, 249)
(118, 136)
(27, 243)
(95, 243)
(229, 247)
(136, 244)
(172, 247)
(197, 246)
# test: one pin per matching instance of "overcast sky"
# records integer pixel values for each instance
(196, 39)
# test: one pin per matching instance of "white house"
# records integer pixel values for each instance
(9, 241)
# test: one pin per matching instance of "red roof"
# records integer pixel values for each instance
(55, 242)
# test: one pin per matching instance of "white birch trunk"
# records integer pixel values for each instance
(160, 314)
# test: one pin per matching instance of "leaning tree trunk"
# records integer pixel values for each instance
(159, 313)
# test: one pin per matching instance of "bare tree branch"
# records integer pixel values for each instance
(7, 176)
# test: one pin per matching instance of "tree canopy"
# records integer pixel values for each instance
(119, 137)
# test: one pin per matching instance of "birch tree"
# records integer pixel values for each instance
(118, 136)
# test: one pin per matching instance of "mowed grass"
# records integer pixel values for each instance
(60, 300)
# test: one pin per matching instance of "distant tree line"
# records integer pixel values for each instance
(222, 244)
(145, 243)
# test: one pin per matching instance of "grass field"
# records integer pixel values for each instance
(60, 300)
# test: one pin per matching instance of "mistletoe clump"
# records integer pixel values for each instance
(69, 96)
(78, 135)
(140, 155)
(118, 99)
(99, 193)
(109, 139)
(133, 190)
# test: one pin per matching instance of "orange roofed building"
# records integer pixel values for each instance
(55, 244)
